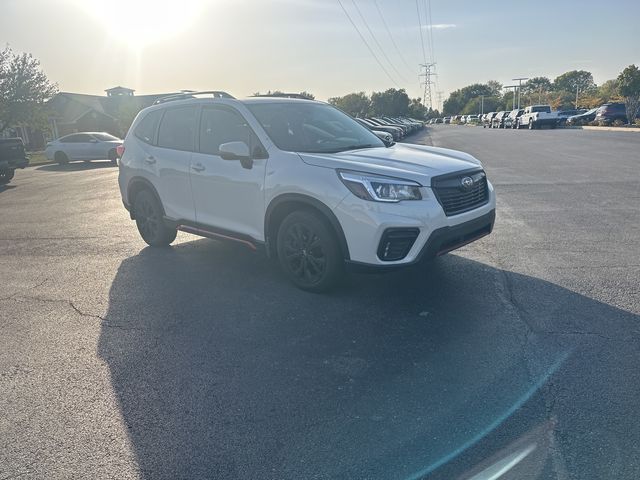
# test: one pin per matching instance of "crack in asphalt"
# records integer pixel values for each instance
(103, 321)
(30, 288)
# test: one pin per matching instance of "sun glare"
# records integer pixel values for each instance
(139, 23)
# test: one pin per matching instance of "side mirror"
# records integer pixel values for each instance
(236, 151)
(387, 138)
(93, 140)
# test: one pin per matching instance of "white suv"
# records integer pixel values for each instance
(300, 180)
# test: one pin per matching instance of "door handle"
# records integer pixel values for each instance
(150, 159)
(198, 167)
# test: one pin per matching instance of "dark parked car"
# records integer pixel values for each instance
(610, 112)
(12, 156)
(394, 131)
(582, 118)
(511, 121)
(563, 115)
(498, 120)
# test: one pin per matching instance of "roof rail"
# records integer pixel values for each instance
(185, 95)
(283, 95)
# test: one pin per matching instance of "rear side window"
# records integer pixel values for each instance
(68, 139)
(105, 137)
(177, 128)
(146, 129)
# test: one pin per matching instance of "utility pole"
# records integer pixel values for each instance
(577, 89)
(520, 87)
(427, 74)
(514, 96)
(481, 105)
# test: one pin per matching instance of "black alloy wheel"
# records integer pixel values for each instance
(308, 251)
(150, 222)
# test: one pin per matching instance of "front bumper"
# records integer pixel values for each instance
(365, 223)
(14, 163)
(441, 241)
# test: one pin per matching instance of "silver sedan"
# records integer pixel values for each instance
(83, 146)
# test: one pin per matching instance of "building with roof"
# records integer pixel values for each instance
(78, 112)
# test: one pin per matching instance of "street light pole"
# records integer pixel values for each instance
(514, 95)
(577, 89)
(520, 87)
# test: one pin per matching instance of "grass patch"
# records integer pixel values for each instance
(37, 158)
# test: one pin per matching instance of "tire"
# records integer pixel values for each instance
(61, 158)
(6, 176)
(531, 126)
(308, 251)
(113, 156)
(149, 220)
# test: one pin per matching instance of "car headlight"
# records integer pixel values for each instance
(378, 188)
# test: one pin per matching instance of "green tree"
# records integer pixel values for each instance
(629, 87)
(459, 99)
(495, 87)
(355, 104)
(536, 88)
(418, 111)
(24, 89)
(569, 81)
(606, 92)
(390, 102)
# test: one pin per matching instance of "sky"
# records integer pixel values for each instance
(246, 46)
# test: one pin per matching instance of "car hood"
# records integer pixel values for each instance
(408, 161)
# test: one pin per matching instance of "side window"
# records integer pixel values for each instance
(68, 139)
(177, 128)
(146, 129)
(83, 138)
(220, 125)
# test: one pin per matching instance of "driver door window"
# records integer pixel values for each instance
(222, 125)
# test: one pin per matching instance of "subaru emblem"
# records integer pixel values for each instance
(467, 183)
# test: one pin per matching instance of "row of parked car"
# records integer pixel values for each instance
(390, 129)
(537, 116)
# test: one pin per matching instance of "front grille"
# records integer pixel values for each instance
(396, 243)
(456, 198)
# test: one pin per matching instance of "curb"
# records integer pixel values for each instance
(609, 129)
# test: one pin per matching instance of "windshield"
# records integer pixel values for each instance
(312, 127)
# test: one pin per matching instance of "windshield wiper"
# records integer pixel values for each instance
(352, 147)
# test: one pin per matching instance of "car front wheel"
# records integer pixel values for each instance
(61, 158)
(150, 222)
(308, 251)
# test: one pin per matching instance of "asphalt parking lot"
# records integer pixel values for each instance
(201, 361)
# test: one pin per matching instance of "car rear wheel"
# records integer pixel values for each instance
(6, 176)
(113, 156)
(308, 251)
(149, 220)
(61, 158)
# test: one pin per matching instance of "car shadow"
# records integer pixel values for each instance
(76, 166)
(224, 370)
(4, 188)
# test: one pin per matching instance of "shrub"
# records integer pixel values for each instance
(618, 123)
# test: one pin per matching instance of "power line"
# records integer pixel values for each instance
(427, 9)
(366, 24)
(367, 45)
(424, 53)
(384, 22)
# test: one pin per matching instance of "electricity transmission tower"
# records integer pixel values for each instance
(429, 72)
(439, 94)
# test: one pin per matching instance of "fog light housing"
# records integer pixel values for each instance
(396, 243)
